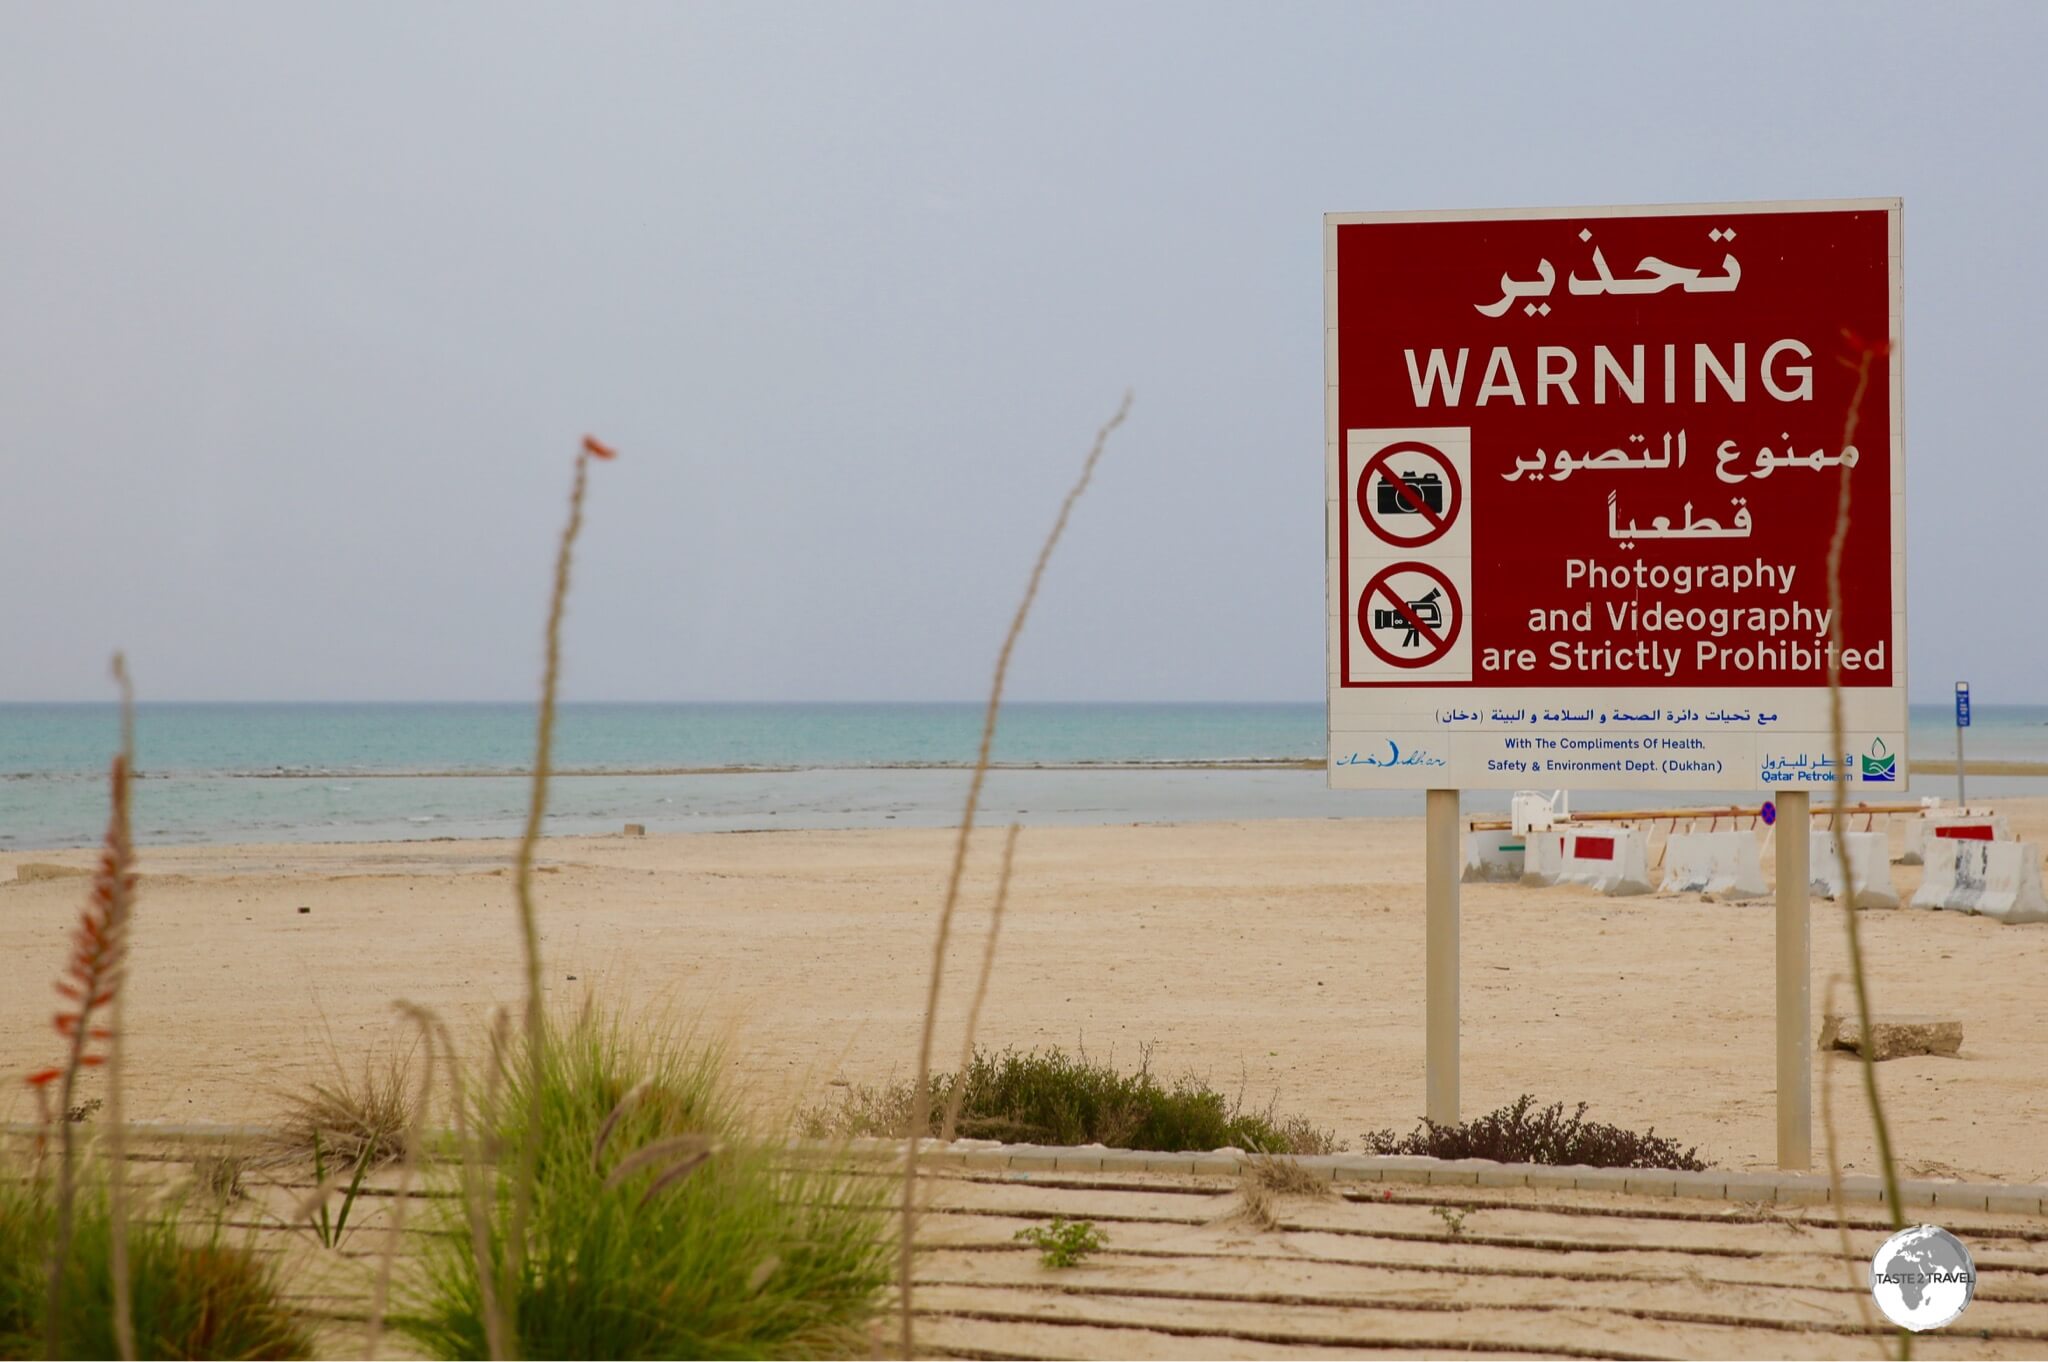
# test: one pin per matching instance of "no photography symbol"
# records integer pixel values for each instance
(1435, 524)
(1380, 595)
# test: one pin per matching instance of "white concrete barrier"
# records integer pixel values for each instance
(1997, 879)
(1977, 825)
(1727, 865)
(1870, 863)
(1495, 856)
(1613, 860)
(1543, 856)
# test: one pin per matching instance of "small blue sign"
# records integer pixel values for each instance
(1962, 704)
(1770, 814)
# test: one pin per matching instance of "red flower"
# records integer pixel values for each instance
(98, 945)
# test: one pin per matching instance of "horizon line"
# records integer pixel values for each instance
(975, 700)
(1939, 701)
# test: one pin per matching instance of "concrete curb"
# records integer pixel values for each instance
(981, 1156)
(1782, 1189)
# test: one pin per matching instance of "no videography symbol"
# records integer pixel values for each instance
(1410, 615)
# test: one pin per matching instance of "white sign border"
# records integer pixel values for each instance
(1334, 612)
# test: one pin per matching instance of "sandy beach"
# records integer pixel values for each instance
(1282, 958)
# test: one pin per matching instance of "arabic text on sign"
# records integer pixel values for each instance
(1651, 275)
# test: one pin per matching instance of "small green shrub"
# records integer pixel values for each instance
(194, 1297)
(1051, 1097)
(1517, 1133)
(1299, 1135)
(1063, 1243)
(658, 1226)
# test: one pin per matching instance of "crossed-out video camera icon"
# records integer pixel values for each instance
(1426, 611)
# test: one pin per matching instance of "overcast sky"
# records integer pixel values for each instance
(303, 311)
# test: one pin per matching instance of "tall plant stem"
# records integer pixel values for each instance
(988, 970)
(529, 920)
(1882, 1128)
(921, 1109)
(415, 1142)
(1850, 1269)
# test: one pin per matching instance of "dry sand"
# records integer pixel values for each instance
(1280, 958)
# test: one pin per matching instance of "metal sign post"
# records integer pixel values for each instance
(1962, 722)
(1441, 860)
(1794, 831)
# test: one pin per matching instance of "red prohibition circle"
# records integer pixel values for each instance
(1378, 590)
(1437, 526)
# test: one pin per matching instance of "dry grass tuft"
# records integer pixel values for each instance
(1287, 1178)
(220, 1178)
(1258, 1205)
(1265, 1182)
(371, 1110)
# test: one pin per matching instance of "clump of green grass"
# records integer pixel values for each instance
(1063, 1243)
(192, 1297)
(328, 1228)
(657, 1226)
(1051, 1097)
(1519, 1133)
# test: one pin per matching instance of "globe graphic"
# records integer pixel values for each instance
(1922, 1277)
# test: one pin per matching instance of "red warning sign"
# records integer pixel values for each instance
(1390, 493)
(1581, 475)
(1410, 615)
(1651, 410)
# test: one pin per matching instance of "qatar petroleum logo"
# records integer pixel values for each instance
(1882, 764)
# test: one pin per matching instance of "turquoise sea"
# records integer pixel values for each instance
(366, 772)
